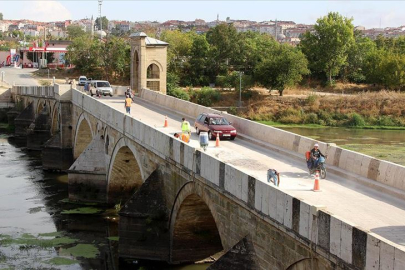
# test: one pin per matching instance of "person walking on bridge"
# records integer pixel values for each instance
(128, 103)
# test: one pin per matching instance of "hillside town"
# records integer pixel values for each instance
(283, 31)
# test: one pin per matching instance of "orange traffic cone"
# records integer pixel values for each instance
(317, 187)
(165, 125)
(217, 141)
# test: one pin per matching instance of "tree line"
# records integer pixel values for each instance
(331, 51)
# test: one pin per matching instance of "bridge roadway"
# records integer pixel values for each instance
(362, 206)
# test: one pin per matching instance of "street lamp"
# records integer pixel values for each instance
(240, 88)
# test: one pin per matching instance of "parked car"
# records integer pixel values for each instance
(103, 87)
(215, 124)
(82, 80)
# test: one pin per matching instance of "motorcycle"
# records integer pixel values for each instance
(320, 167)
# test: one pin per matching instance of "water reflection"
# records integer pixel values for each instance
(35, 233)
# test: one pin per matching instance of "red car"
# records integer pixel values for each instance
(214, 124)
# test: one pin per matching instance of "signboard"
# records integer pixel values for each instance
(12, 55)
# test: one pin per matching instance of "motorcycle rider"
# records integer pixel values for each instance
(315, 154)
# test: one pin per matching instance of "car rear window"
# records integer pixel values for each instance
(103, 84)
(218, 121)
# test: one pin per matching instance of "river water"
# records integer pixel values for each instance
(37, 229)
(382, 144)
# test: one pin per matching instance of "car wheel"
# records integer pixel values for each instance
(110, 95)
(91, 93)
(233, 138)
(210, 136)
(197, 131)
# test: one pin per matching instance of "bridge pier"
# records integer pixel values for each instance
(87, 178)
(143, 225)
(24, 120)
(60, 145)
(53, 148)
(40, 131)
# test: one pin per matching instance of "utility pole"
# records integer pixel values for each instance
(100, 2)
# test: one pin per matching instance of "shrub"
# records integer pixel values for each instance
(356, 120)
(385, 121)
(233, 110)
(206, 96)
(311, 118)
(311, 99)
(179, 93)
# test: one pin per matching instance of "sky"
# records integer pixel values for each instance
(371, 14)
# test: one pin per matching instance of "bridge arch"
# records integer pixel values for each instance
(55, 120)
(40, 106)
(307, 264)
(193, 229)
(83, 135)
(125, 175)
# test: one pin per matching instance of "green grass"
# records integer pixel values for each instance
(51, 234)
(66, 200)
(82, 211)
(82, 250)
(113, 238)
(26, 242)
(61, 261)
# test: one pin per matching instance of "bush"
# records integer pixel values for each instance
(311, 99)
(311, 118)
(206, 96)
(356, 120)
(385, 121)
(179, 93)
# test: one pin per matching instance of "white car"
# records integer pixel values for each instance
(82, 80)
(103, 87)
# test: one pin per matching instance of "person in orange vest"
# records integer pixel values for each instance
(185, 137)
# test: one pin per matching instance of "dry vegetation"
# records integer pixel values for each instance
(303, 106)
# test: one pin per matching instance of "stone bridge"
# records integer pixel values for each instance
(180, 204)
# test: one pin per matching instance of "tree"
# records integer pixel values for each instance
(357, 56)
(116, 58)
(285, 68)
(104, 22)
(197, 69)
(1, 16)
(75, 31)
(85, 53)
(327, 46)
(222, 40)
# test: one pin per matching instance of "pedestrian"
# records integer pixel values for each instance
(185, 126)
(86, 87)
(273, 176)
(129, 92)
(128, 103)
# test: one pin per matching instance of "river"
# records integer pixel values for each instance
(38, 229)
(382, 144)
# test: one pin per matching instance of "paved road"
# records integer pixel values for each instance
(359, 205)
(19, 76)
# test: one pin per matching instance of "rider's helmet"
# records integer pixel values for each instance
(316, 145)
